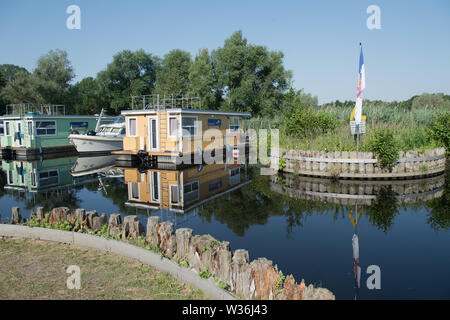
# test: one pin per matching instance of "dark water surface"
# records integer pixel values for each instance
(301, 224)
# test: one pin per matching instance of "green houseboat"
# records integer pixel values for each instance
(41, 176)
(29, 131)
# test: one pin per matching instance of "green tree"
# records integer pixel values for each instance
(87, 97)
(203, 81)
(129, 74)
(52, 77)
(173, 76)
(20, 89)
(439, 130)
(49, 82)
(9, 73)
(252, 77)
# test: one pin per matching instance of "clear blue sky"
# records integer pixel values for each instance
(409, 55)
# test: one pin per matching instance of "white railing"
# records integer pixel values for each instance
(165, 101)
(30, 108)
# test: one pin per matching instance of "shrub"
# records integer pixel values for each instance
(440, 130)
(306, 122)
(385, 146)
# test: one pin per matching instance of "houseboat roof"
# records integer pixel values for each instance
(46, 116)
(187, 111)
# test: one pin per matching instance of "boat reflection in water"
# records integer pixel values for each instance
(41, 176)
(53, 182)
(95, 165)
(181, 190)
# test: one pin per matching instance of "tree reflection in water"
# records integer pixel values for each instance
(439, 215)
(255, 203)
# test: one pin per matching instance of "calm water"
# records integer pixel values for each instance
(301, 224)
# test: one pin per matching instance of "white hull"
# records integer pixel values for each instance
(84, 143)
(91, 165)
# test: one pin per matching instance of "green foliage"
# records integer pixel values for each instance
(440, 130)
(384, 145)
(282, 162)
(129, 74)
(184, 263)
(215, 242)
(305, 122)
(278, 284)
(203, 81)
(49, 82)
(87, 98)
(173, 76)
(383, 209)
(251, 77)
(221, 284)
(206, 248)
(205, 274)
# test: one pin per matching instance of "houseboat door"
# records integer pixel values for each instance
(153, 133)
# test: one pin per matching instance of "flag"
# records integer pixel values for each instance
(361, 86)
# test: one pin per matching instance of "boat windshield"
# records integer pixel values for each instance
(119, 119)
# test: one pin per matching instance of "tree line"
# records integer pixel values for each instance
(238, 76)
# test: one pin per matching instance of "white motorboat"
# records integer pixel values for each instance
(106, 138)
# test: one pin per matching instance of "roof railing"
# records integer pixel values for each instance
(32, 108)
(165, 101)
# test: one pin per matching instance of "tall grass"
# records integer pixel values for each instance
(410, 127)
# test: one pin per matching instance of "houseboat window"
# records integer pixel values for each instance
(115, 130)
(45, 128)
(191, 192)
(189, 126)
(173, 126)
(132, 123)
(235, 124)
(155, 185)
(48, 177)
(153, 134)
(33, 179)
(122, 131)
(174, 194)
(235, 176)
(7, 129)
(30, 128)
(134, 191)
(10, 177)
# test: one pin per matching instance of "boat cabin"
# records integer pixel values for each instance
(30, 129)
(166, 126)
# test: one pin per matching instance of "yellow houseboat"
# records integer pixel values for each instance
(184, 189)
(175, 129)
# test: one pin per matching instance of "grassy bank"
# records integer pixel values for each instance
(31, 269)
(326, 127)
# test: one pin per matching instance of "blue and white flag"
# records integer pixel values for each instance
(361, 86)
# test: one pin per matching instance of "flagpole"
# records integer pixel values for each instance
(357, 125)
